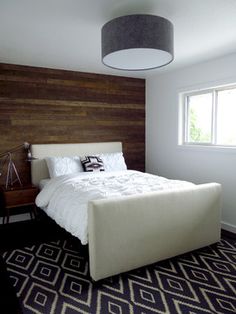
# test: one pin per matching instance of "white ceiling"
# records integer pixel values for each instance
(66, 34)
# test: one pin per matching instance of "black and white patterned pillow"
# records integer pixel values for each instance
(92, 163)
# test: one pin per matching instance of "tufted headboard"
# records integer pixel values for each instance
(39, 168)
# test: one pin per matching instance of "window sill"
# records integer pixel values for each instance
(208, 148)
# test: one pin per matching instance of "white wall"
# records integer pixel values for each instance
(165, 157)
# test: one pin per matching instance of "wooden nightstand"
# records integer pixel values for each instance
(18, 197)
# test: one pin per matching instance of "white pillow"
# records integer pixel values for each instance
(58, 166)
(113, 161)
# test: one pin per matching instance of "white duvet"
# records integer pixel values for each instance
(65, 198)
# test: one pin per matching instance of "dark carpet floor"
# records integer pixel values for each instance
(53, 277)
(9, 303)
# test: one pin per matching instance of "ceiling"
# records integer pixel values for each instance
(66, 34)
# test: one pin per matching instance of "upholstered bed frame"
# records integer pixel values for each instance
(132, 231)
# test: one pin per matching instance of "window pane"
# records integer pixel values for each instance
(226, 114)
(200, 118)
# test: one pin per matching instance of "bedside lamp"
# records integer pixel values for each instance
(12, 175)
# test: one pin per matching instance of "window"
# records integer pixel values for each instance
(209, 117)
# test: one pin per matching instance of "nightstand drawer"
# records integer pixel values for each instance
(20, 197)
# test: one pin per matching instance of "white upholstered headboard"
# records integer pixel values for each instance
(39, 168)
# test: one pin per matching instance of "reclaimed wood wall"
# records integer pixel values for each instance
(40, 105)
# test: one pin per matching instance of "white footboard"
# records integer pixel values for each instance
(129, 232)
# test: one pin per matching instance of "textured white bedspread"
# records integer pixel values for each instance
(65, 198)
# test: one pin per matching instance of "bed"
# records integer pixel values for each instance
(127, 232)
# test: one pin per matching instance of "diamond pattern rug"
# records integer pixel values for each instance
(53, 277)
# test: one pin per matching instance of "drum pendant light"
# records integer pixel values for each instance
(137, 42)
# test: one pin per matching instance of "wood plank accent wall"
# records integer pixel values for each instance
(40, 105)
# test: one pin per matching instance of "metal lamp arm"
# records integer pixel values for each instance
(12, 175)
(14, 149)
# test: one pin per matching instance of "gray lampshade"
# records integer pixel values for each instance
(137, 42)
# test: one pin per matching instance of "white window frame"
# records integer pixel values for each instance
(184, 117)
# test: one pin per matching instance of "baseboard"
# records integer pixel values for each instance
(228, 227)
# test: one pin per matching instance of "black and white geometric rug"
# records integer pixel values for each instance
(53, 277)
